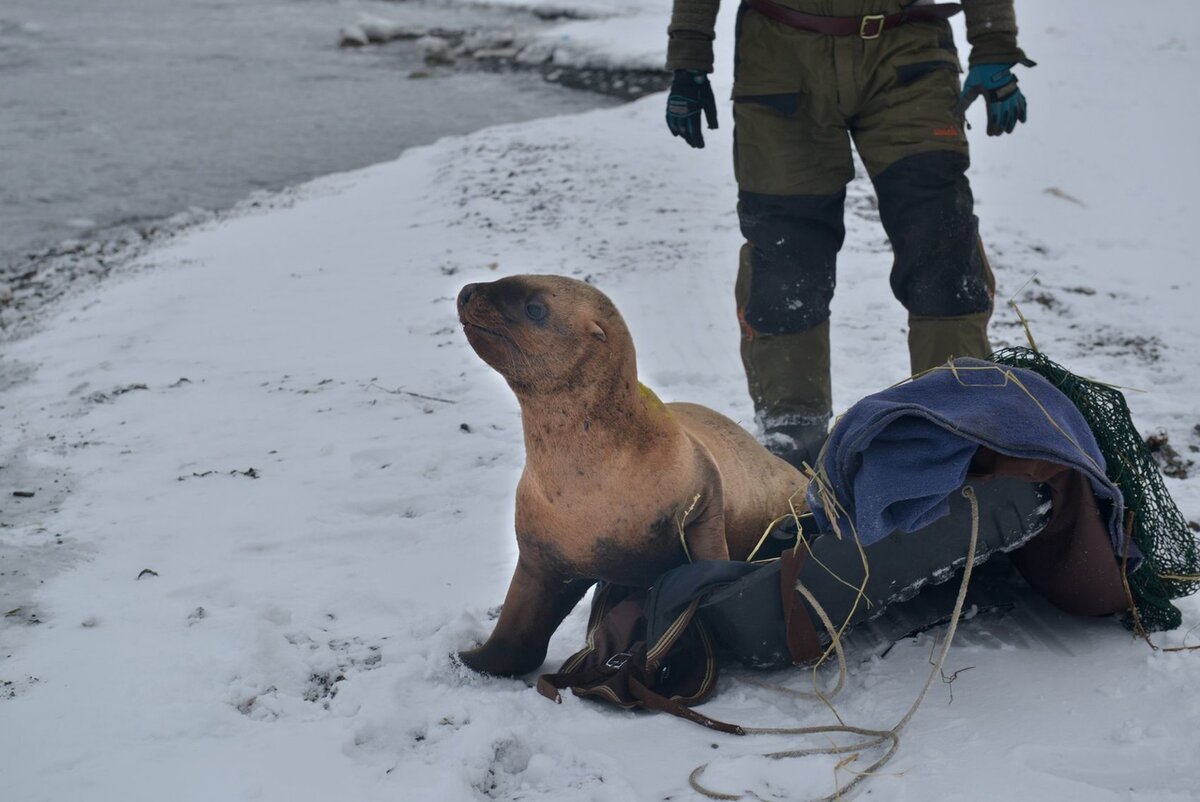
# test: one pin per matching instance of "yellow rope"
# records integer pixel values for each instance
(682, 518)
(1024, 323)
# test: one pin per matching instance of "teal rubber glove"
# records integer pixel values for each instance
(690, 94)
(1005, 103)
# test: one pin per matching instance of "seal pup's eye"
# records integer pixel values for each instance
(535, 311)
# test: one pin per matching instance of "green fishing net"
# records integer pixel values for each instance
(1171, 550)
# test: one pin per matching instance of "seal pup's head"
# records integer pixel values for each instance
(546, 334)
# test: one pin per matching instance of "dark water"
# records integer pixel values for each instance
(122, 111)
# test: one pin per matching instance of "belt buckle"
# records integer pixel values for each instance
(878, 19)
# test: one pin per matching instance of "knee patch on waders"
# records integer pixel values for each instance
(788, 269)
(927, 209)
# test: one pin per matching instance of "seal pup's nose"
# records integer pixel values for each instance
(464, 295)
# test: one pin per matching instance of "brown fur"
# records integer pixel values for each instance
(611, 473)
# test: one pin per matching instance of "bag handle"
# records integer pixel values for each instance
(655, 701)
(549, 685)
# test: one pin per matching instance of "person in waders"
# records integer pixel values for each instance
(809, 77)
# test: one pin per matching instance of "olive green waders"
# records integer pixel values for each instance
(799, 100)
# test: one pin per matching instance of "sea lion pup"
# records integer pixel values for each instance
(613, 476)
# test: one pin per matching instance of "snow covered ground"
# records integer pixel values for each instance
(273, 485)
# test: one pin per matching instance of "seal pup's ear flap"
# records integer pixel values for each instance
(598, 332)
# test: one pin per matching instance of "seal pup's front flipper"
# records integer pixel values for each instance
(536, 604)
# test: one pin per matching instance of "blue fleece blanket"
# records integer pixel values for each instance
(895, 457)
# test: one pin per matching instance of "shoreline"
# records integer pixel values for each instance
(30, 288)
(33, 283)
(33, 280)
(504, 52)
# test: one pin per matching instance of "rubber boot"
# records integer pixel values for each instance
(788, 378)
(797, 441)
(933, 341)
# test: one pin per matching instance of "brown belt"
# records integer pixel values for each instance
(866, 27)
